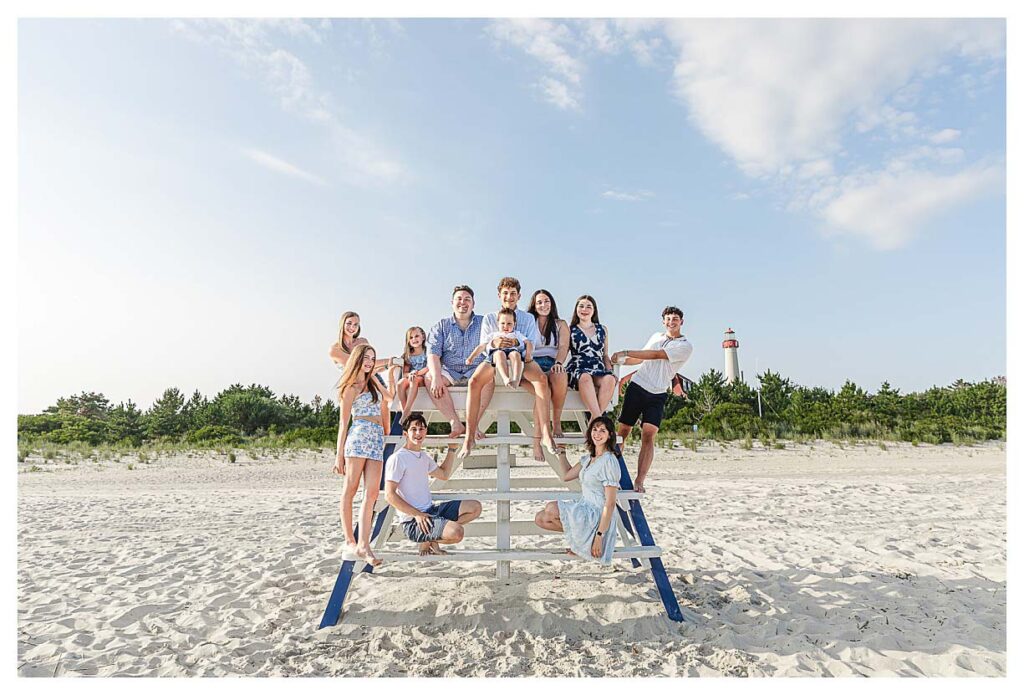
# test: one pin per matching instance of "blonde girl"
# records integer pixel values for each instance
(360, 452)
(414, 369)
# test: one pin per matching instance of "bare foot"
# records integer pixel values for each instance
(435, 549)
(349, 552)
(426, 548)
(458, 429)
(538, 454)
(568, 551)
(549, 444)
(367, 554)
(480, 435)
(466, 450)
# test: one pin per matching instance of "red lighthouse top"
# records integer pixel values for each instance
(729, 341)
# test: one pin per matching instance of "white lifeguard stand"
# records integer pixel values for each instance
(635, 542)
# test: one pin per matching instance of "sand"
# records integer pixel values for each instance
(813, 560)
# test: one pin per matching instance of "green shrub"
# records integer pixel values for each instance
(730, 421)
(214, 434)
(231, 457)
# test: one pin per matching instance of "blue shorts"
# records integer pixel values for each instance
(508, 351)
(440, 514)
(545, 363)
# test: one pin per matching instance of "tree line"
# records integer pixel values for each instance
(239, 414)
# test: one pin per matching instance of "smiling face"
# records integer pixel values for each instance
(369, 360)
(416, 338)
(462, 304)
(584, 309)
(542, 303)
(352, 326)
(506, 323)
(509, 297)
(672, 322)
(417, 433)
(599, 435)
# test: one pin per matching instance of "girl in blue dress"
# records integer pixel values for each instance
(589, 367)
(414, 368)
(360, 453)
(589, 523)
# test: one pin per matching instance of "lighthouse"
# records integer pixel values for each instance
(732, 358)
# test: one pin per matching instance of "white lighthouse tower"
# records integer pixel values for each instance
(732, 358)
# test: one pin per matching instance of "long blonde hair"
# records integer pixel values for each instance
(406, 352)
(341, 330)
(354, 372)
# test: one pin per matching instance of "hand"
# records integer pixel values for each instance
(597, 546)
(339, 464)
(497, 341)
(509, 342)
(619, 357)
(423, 521)
(437, 387)
(557, 368)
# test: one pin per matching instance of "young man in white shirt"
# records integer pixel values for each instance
(660, 360)
(407, 488)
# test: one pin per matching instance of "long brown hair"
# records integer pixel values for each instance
(341, 330)
(613, 440)
(575, 317)
(552, 328)
(406, 352)
(354, 372)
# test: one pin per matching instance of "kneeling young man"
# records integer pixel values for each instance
(407, 488)
(662, 357)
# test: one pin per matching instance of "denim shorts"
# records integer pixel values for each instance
(440, 514)
(545, 363)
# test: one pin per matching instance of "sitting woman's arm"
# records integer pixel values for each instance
(605, 523)
(567, 472)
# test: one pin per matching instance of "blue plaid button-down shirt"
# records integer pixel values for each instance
(454, 345)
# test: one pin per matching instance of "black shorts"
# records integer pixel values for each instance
(639, 403)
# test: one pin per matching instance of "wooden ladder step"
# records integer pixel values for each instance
(523, 495)
(492, 555)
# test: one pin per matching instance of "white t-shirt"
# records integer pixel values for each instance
(411, 470)
(525, 324)
(655, 376)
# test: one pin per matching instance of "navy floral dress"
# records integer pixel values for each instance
(586, 355)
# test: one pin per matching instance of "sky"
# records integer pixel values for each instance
(200, 200)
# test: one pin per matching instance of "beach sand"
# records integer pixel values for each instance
(813, 560)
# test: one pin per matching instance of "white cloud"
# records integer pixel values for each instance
(271, 162)
(255, 45)
(784, 98)
(628, 197)
(551, 44)
(889, 208)
(944, 136)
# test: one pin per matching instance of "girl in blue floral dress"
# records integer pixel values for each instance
(589, 522)
(361, 446)
(588, 367)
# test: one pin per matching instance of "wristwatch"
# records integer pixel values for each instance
(600, 533)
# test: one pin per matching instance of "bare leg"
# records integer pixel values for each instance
(559, 384)
(447, 408)
(469, 510)
(353, 473)
(413, 390)
(371, 490)
(401, 391)
(485, 400)
(548, 518)
(539, 381)
(516, 361)
(605, 391)
(589, 396)
(483, 374)
(643, 466)
(501, 364)
(452, 533)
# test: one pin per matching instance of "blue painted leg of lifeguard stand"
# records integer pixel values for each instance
(334, 604)
(643, 531)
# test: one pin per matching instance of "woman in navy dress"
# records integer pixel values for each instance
(589, 368)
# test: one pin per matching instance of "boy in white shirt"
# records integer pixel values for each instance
(407, 476)
(662, 357)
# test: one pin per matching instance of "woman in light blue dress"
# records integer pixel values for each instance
(360, 454)
(589, 523)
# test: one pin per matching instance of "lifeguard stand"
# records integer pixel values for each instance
(507, 406)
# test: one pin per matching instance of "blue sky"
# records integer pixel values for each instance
(201, 200)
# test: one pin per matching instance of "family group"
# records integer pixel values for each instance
(532, 349)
